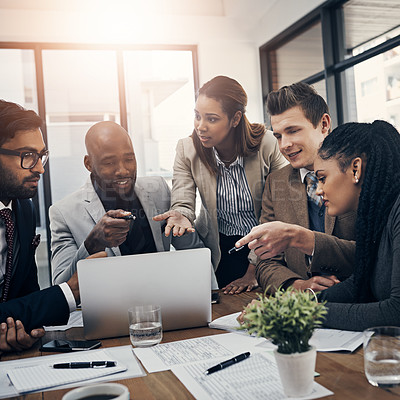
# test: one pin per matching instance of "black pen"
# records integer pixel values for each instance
(227, 363)
(129, 216)
(86, 364)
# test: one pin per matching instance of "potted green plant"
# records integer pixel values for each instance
(288, 319)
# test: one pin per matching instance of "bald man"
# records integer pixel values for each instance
(92, 219)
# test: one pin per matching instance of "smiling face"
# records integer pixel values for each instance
(339, 190)
(111, 158)
(15, 181)
(212, 124)
(298, 139)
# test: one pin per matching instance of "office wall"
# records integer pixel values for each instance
(225, 45)
(280, 16)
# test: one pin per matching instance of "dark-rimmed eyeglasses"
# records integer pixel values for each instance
(28, 158)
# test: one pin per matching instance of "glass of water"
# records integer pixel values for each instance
(382, 356)
(145, 325)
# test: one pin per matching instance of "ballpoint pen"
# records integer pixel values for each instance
(129, 216)
(233, 249)
(227, 363)
(86, 364)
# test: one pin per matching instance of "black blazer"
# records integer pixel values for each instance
(26, 302)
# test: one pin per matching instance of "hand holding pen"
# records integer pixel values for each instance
(110, 231)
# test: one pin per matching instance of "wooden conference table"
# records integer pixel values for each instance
(342, 373)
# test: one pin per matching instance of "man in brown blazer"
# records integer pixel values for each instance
(297, 243)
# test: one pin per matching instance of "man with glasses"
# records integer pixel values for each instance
(23, 307)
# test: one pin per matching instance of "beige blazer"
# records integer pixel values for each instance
(285, 199)
(191, 174)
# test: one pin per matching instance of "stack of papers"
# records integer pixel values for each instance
(322, 339)
(75, 321)
(44, 376)
(22, 372)
(255, 377)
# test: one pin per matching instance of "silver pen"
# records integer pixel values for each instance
(234, 249)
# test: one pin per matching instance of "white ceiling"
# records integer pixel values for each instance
(250, 9)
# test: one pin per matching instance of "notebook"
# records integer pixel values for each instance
(179, 281)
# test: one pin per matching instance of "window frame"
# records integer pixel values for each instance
(38, 48)
(330, 14)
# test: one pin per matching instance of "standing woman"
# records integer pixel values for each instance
(359, 169)
(227, 159)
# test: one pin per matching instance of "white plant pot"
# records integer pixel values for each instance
(297, 372)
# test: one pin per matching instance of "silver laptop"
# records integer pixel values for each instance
(179, 281)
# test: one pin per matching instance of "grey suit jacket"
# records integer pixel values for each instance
(190, 174)
(285, 199)
(73, 218)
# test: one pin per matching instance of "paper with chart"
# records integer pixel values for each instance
(256, 377)
(122, 354)
(322, 339)
(164, 356)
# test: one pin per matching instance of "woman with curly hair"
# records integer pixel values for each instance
(359, 169)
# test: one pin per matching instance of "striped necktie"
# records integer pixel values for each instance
(6, 215)
(312, 183)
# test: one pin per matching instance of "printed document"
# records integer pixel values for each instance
(164, 356)
(122, 354)
(322, 339)
(256, 377)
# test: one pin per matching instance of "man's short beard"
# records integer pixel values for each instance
(109, 192)
(9, 190)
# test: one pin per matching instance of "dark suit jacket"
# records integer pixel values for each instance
(285, 199)
(25, 302)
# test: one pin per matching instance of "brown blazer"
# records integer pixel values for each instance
(285, 199)
(191, 174)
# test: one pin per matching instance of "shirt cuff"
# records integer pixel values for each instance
(68, 296)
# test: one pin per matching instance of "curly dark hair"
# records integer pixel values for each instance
(378, 145)
(15, 118)
(232, 97)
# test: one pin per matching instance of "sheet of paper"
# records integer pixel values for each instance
(254, 378)
(322, 339)
(38, 377)
(336, 340)
(123, 354)
(75, 321)
(228, 322)
(164, 356)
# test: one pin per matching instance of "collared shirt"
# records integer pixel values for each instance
(235, 207)
(303, 173)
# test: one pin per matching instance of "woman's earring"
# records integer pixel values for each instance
(356, 179)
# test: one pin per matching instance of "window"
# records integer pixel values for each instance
(299, 58)
(160, 103)
(80, 89)
(149, 91)
(359, 71)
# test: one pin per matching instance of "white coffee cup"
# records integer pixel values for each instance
(118, 391)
